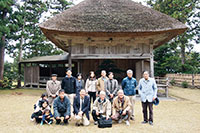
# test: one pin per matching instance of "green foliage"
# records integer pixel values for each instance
(10, 75)
(172, 82)
(5, 10)
(27, 18)
(58, 6)
(184, 84)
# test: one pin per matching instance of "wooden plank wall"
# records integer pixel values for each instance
(31, 74)
(109, 49)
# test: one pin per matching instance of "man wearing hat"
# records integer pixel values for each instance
(52, 88)
(148, 92)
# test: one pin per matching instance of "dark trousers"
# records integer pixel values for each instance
(95, 116)
(59, 120)
(92, 97)
(62, 115)
(146, 105)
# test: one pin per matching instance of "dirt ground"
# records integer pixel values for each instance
(170, 116)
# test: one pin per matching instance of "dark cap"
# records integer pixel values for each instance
(156, 101)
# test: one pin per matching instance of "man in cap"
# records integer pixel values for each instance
(52, 88)
(148, 93)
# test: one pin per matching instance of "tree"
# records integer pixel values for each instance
(185, 11)
(5, 29)
(58, 6)
(27, 40)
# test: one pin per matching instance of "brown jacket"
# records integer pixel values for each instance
(102, 107)
(117, 104)
(100, 84)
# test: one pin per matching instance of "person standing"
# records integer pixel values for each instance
(112, 86)
(129, 85)
(81, 108)
(69, 86)
(79, 83)
(102, 82)
(90, 87)
(148, 93)
(61, 107)
(52, 88)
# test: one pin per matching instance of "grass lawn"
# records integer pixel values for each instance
(170, 116)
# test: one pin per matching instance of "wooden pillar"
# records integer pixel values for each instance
(79, 65)
(50, 69)
(142, 67)
(31, 85)
(69, 55)
(19, 74)
(24, 75)
(151, 58)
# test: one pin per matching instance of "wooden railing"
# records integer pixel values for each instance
(163, 84)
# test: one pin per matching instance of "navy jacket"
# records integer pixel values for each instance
(61, 107)
(129, 85)
(85, 106)
(69, 85)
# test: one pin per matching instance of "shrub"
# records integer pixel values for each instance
(184, 84)
(172, 82)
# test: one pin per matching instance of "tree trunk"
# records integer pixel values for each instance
(2, 51)
(20, 50)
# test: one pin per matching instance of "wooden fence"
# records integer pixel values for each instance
(193, 80)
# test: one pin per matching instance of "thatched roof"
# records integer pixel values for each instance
(53, 58)
(111, 16)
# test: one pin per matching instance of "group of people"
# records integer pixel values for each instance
(72, 98)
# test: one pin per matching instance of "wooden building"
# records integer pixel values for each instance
(121, 30)
(38, 70)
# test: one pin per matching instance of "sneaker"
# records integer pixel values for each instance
(127, 123)
(77, 124)
(120, 121)
(132, 118)
(144, 122)
(151, 123)
(95, 123)
(50, 122)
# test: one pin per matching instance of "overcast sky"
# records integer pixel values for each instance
(196, 46)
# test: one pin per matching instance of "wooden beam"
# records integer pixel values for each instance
(151, 42)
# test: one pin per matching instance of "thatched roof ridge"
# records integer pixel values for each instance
(111, 16)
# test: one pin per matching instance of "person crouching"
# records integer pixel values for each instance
(121, 108)
(101, 107)
(61, 107)
(46, 117)
(81, 108)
